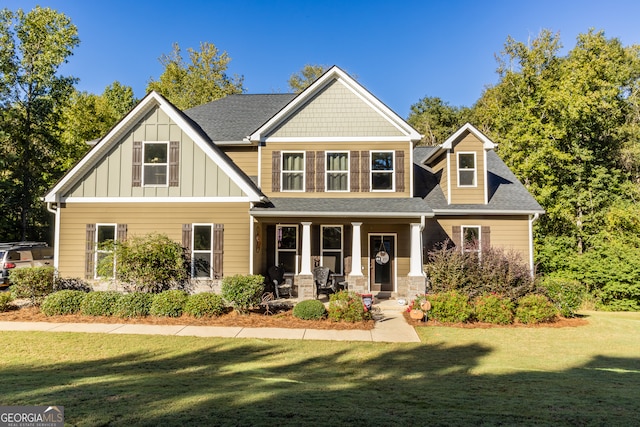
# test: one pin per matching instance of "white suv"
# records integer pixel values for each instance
(23, 254)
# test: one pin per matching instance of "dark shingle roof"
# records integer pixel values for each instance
(353, 207)
(234, 117)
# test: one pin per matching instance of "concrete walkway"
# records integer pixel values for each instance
(390, 327)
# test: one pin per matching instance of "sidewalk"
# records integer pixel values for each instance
(391, 327)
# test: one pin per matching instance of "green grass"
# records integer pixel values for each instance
(588, 375)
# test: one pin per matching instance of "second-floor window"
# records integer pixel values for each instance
(466, 169)
(382, 171)
(293, 171)
(337, 171)
(155, 163)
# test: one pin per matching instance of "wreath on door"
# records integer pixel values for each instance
(382, 257)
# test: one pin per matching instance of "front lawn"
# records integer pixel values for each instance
(588, 375)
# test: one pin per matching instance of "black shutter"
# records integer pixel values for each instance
(275, 171)
(89, 261)
(136, 164)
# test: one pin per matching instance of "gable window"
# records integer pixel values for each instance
(105, 235)
(202, 251)
(382, 170)
(332, 247)
(467, 169)
(337, 171)
(293, 171)
(287, 247)
(155, 163)
(471, 238)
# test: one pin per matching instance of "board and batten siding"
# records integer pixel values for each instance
(468, 195)
(199, 176)
(508, 232)
(336, 111)
(145, 218)
(318, 148)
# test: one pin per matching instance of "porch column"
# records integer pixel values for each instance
(415, 264)
(356, 253)
(305, 263)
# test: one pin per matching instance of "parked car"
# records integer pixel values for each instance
(23, 254)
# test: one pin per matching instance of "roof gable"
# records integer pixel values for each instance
(335, 80)
(450, 143)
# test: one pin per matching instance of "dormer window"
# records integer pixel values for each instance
(467, 172)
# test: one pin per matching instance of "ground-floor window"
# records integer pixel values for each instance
(105, 236)
(471, 236)
(202, 251)
(332, 247)
(287, 247)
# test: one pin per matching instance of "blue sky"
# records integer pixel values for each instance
(401, 51)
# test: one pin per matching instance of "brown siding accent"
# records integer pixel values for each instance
(456, 230)
(122, 232)
(218, 250)
(485, 236)
(310, 175)
(89, 251)
(347, 265)
(186, 237)
(136, 164)
(275, 171)
(399, 170)
(355, 171)
(320, 170)
(364, 170)
(174, 163)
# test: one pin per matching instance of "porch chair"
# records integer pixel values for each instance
(324, 282)
(280, 284)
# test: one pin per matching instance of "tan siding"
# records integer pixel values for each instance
(440, 165)
(199, 176)
(336, 111)
(468, 195)
(334, 146)
(511, 232)
(146, 218)
(245, 157)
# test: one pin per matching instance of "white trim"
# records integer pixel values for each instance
(474, 169)
(392, 172)
(335, 214)
(486, 178)
(532, 219)
(156, 200)
(152, 100)
(411, 193)
(322, 250)
(337, 139)
(487, 144)
(252, 242)
(304, 171)
(166, 165)
(395, 259)
(260, 166)
(449, 177)
(465, 212)
(327, 171)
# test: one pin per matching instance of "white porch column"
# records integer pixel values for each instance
(305, 264)
(356, 253)
(415, 264)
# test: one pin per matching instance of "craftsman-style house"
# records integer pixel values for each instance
(330, 177)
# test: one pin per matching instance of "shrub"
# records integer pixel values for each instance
(168, 303)
(70, 283)
(151, 263)
(494, 309)
(5, 301)
(311, 309)
(100, 303)
(451, 306)
(135, 304)
(62, 302)
(535, 308)
(566, 294)
(33, 283)
(205, 304)
(347, 307)
(446, 268)
(243, 292)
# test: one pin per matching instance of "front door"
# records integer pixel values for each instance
(382, 249)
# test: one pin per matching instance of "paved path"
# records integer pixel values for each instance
(391, 327)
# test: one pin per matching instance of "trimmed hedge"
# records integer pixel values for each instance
(134, 304)
(205, 304)
(62, 302)
(312, 309)
(450, 307)
(100, 303)
(535, 308)
(34, 283)
(168, 303)
(243, 292)
(493, 309)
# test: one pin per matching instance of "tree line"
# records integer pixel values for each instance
(567, 125)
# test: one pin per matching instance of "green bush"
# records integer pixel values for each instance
(450, 307)
(311, 309)
(33, 283)
(100, 303)
(494, 309)
(168, 303)
(134, 304)
(70, 283)
(243, 292)
(205, 304)
(151, 263)
(535, 308)
(347, 306)
(62, 302)
(5, 301)
(566, 294)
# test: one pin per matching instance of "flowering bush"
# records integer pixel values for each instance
(451, 307)
(492, 308)
(348, 307)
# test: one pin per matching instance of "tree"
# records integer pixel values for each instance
(203, 80)
(436, 119)
(304, 78)
(33, 46)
